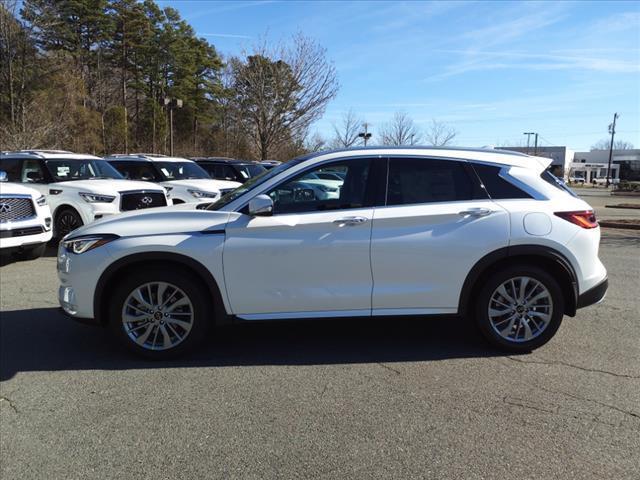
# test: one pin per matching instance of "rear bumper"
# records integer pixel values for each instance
(594, 295)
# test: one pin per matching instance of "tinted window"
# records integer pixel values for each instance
(308, 192)
(496, 186)
(413, 180)
(13, 168)
(181, 170)
(550, 178)
(137, 171)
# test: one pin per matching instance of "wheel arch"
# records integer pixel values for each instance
(537, 255)
(168, 260)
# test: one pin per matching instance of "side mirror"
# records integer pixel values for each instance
(261, 205)
(3, 176)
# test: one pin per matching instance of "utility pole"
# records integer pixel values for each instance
(535, 149)
(612, 131)
(528, 134)
(365, 135)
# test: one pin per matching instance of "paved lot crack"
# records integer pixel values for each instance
(578, 367)
(396, 371)
(10, 403)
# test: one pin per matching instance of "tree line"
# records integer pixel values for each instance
(102, 76)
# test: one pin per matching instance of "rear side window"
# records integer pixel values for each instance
(414, 180)
(497, 187)
(12, 167)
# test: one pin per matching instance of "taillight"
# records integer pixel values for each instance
(582, 218)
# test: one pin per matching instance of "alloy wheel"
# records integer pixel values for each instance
(157, 316)
(520, 309)
(66, 223)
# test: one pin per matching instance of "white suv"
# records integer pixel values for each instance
(187, 180)
(25, 220)
(79, 188)
(414, 231)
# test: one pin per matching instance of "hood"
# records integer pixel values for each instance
(107, 186)
(17, 189)
(156, 221)
(204, 184)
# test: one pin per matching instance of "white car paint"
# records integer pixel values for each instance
(407, 259)
(182, 190)
(12, 229)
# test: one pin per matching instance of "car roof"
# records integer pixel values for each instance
(144, 157)
(49, 155)
(485, 155)
(224, 160)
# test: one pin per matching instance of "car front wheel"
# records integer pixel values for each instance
(520, 308)
(159, 314)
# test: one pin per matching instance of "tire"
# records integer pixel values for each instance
(67, 220)
(521, 319)
(189, 319)
(33, 252)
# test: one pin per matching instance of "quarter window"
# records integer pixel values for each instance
(497, 187)
(413, 180)
(308, 192)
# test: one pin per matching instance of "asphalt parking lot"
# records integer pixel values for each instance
(387, 398)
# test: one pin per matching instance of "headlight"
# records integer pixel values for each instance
(80, 245)
(326, 189)
(95, 198)
(203, 194)
(42, 200)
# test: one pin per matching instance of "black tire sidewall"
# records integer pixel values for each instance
(187, 282)
(493, 282)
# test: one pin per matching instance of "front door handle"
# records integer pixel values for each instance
(476, 212)
(350, 221)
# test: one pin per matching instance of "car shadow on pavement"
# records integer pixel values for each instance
(45, 340)
(50, 251)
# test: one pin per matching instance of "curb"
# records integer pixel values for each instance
(627, 226)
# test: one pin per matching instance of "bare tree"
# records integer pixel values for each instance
(400, 131)
(282, 91)
(439, 134)
(617, 145)
(315, 143)
(346, 133)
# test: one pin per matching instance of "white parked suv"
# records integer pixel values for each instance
(79, 188)
(25, 220)
(188, 181)
(485, 234)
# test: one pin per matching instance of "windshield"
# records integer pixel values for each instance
(86, 169)
(249, 170)
(254, 182)
(181, 170)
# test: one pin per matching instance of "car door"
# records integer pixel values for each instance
(311, 257)
(437, 222)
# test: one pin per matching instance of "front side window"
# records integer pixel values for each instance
(414, 181)
(181, 170)
(85, 169)
(137, 171)
(308, 192)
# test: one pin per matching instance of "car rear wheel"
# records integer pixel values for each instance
(520, 308)
(159, 314)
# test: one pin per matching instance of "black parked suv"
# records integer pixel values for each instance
(223, 168)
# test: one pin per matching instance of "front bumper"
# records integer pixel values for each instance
(594, 295)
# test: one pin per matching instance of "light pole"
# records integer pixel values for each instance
(528, 134)
(171, 104)
(365, 135)
(612, 131)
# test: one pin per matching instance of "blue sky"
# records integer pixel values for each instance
(492, 70)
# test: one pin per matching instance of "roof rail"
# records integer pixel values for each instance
(34, 151)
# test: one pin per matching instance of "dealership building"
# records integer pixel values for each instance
(625, 164)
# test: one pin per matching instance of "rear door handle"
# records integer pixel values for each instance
(476, 212)
(350, 221)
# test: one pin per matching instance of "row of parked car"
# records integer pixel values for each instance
(47, 193)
